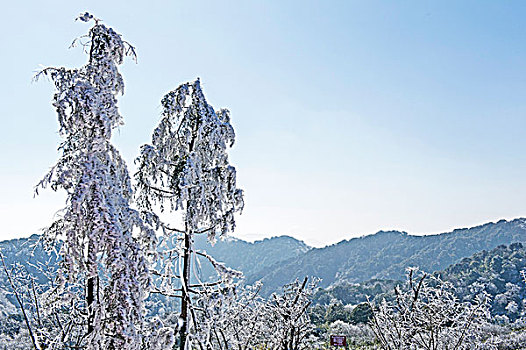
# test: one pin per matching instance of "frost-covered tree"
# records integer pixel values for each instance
(509, 336)
(186, 169)
(103, 240)
(289, 322)
(239, 319)
(429, 316)
(230, 318)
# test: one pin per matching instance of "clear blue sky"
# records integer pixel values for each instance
(351, 116)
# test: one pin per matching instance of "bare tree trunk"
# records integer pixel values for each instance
(89, 301)
(185, 300)
(187, 259)
(90, 291)
(91, 262)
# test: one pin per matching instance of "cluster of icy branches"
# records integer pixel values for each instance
(428, 315)
(238, 318)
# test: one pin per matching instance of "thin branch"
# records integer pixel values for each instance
(22, 308)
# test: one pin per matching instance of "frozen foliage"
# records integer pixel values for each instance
(51, 317)
(511, 341)
(238, 318)
(103, 239)
(505, 338)
(226, 273)
(290, 323)
(186, 165)
(430, 317)
(157, 336)
(186, 168)
(229, 319)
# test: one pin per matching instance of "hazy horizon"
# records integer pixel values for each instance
(262, 236)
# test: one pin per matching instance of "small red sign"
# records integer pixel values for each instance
(338, 340)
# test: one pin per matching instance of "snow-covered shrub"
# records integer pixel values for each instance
(430, 316)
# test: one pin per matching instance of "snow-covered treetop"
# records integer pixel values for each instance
(85, 99)
(186, 165)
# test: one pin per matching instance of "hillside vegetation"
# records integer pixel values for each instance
(279, 260)
(387, 254)
(497, 273)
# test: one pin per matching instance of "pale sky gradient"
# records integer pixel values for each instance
(351, 116)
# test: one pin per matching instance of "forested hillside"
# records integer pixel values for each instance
(386, 254)
(248, 257)
(496, 273)
(27, 253)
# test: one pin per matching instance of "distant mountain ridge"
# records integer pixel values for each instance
(386, 255)
(233, 252)
(250, 257)
(279, 260)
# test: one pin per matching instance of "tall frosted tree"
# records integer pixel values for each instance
(186, 169)
(104, 242)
